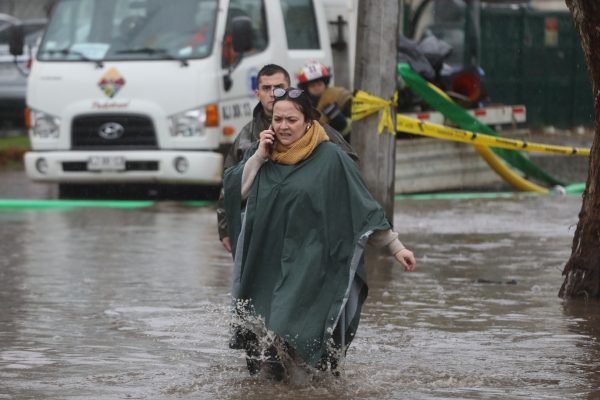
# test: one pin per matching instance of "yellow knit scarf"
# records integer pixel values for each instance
(302, 148)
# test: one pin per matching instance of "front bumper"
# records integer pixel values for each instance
(203, 167)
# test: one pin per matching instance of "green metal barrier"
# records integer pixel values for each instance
(534, 57)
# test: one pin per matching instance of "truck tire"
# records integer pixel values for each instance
(70, 191)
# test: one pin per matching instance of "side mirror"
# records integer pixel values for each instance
(241, 32)
(241, 42)
(16, 40)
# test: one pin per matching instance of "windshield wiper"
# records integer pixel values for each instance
(68, 52)
(152, 51)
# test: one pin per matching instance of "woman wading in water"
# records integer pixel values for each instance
(299, 217)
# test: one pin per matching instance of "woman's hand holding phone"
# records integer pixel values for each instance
(266, 138)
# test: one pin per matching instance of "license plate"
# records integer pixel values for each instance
(106, 163)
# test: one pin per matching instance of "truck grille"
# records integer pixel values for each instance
(81, 166)
(113, 132)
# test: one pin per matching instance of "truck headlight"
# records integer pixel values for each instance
(189, 123)
(44, 125)
(41, 165)
(181, 164)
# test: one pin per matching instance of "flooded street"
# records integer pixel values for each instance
(115, 303)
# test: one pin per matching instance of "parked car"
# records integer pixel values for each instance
(13, 73)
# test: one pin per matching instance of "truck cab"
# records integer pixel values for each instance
(153, 92)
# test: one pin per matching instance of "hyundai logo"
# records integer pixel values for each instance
(111, 131)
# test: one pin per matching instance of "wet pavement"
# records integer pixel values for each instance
(110, 303)
(14, 184)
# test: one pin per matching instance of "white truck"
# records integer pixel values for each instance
(151, 92)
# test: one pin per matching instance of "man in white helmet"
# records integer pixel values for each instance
(334, 103)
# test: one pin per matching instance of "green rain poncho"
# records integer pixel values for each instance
(298, 246)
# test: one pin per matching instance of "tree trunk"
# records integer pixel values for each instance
(375, 73)
(582, 271)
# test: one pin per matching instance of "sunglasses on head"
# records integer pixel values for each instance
(291, 93)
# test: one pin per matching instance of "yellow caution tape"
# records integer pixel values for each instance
(364, 104)
(418, 127)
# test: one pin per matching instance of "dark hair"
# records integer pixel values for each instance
(272, 69)
(301, 102)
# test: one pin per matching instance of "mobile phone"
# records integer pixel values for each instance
(274, 138)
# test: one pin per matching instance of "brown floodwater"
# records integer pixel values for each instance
(114, 303)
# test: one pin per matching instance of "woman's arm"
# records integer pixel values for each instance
(389, 238)
(265, 140)
(250, 170)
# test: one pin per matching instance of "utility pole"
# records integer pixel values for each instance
(375, 73)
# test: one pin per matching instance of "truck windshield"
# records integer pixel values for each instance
(107, 30)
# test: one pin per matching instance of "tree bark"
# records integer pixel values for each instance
(375, 73)
(582, 271)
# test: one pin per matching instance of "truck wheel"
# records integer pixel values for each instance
(70, 191)
(81, 191)
(212, 192)
(196, 192)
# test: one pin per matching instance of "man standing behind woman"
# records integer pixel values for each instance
(270, 77)
(299, 216)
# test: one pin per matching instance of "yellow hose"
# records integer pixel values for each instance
(506, 173)
(498, 166)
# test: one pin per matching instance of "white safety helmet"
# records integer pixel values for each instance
(312, 72)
